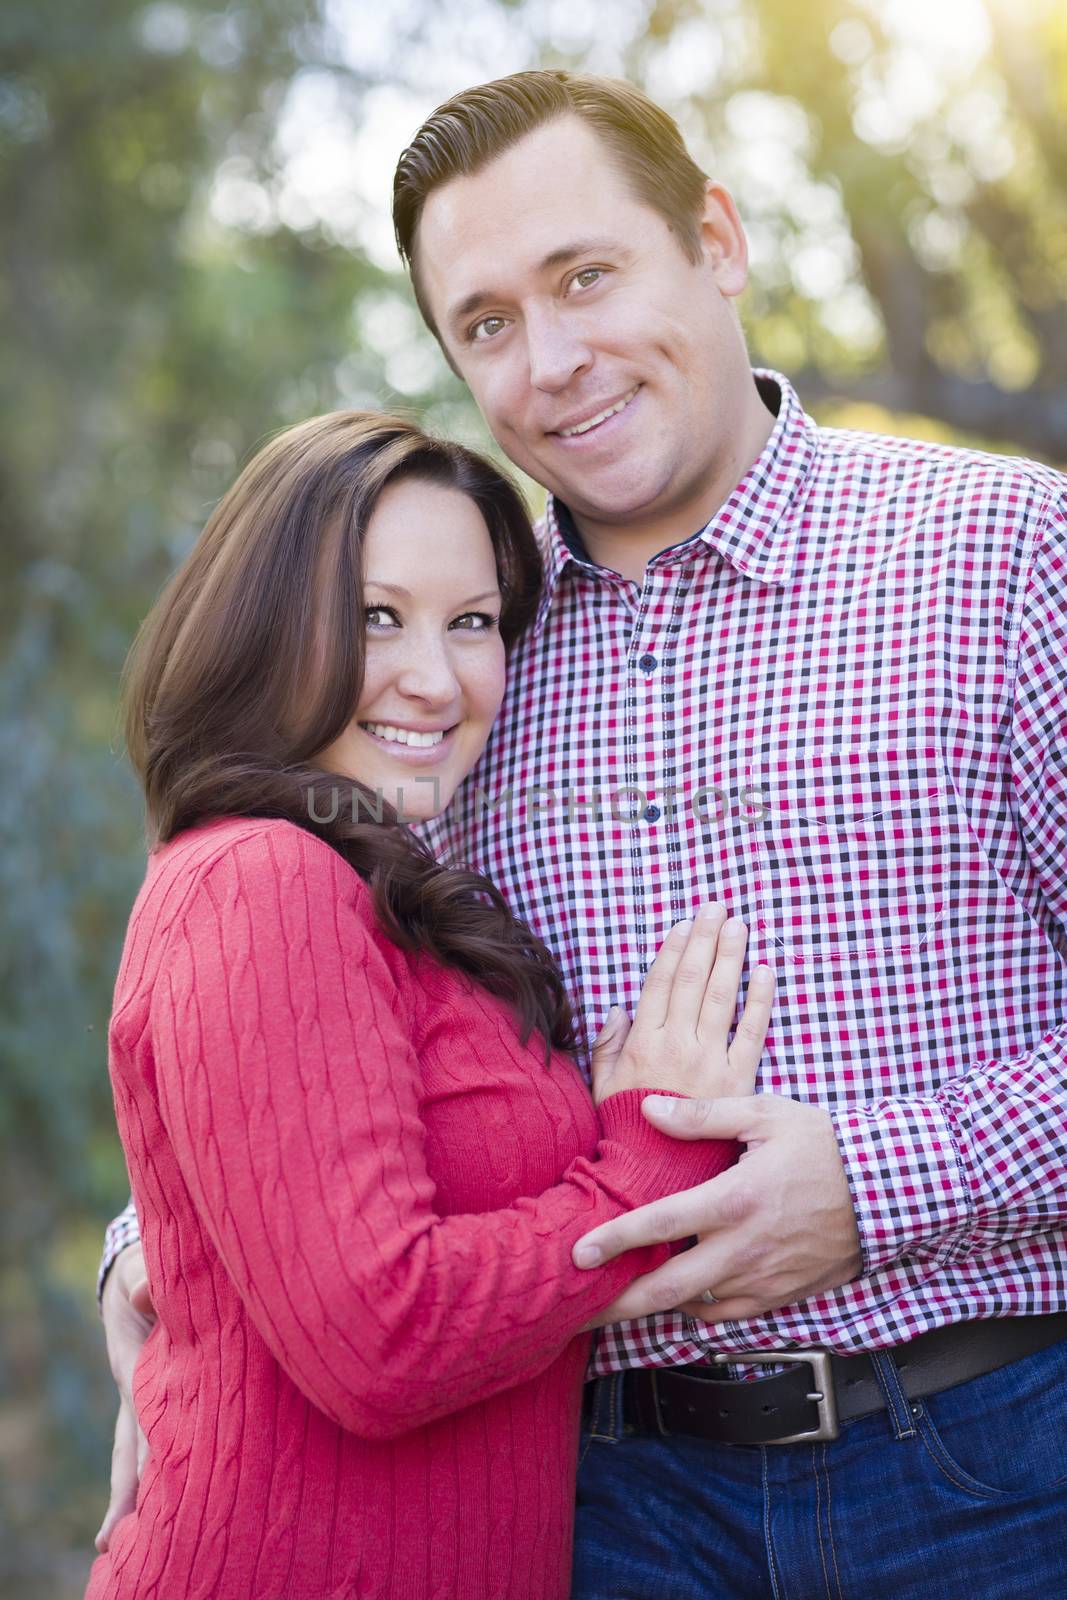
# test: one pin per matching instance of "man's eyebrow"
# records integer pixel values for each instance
(601, 245)
(398, 588)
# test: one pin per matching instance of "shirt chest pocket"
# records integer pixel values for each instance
(854, 852)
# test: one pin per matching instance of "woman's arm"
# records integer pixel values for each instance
(289, 1089)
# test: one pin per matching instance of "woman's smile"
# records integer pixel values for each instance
(412, 746)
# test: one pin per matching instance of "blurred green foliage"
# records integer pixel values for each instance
(144, 354)
(910, 269)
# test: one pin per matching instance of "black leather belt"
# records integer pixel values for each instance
(820, 1390)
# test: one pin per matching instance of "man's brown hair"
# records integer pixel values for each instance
(479, 124)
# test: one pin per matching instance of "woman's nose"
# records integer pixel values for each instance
(429, 675)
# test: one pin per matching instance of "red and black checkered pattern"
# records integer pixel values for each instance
(841, 708)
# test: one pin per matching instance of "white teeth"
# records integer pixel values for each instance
(385, 730)
(602, 416)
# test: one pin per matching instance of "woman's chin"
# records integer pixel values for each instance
(420, 799)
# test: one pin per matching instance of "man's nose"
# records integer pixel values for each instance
(556, 353)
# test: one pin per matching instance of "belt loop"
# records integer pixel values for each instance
(654, 1385)
(616, 1420)
(605, 1419)
(897, 1403)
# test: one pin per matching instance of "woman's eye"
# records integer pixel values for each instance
(380, 616)
(487, 328)
(476, 622)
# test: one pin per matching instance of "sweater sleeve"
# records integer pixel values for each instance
(288, 1087)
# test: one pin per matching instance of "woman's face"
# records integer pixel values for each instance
(435, 660)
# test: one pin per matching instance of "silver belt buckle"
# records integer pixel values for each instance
(822, 1392)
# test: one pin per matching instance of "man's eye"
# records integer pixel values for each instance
(487, 328)
(476, 622)
(587, 276)
(380, 616)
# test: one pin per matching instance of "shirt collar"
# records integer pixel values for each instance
(754, 529)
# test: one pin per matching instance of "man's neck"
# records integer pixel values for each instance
(628, 552)
(628, 548)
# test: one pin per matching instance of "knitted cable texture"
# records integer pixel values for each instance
(358, 1194)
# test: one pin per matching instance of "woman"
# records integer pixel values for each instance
(359, 1146)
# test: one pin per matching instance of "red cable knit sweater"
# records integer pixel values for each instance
(358, 1195)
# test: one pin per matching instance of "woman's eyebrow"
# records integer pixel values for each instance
(398, 588)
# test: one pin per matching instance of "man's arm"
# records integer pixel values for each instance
(122, 1231)
(934, 1178)
(944, 1176)
(126, 1308)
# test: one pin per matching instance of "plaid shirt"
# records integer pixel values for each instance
(841, 708)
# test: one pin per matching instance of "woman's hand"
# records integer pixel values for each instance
(678, 1039)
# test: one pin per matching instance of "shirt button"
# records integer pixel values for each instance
(647, 663)
(651, 813)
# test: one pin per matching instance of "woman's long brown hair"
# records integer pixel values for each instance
(252, 660)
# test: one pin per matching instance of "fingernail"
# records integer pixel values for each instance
(709, 912)
(735, 925)
(683, 927)
(586, 1255)
(662, 1104)
(763, 971)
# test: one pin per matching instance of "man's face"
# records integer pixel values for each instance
(608, 365)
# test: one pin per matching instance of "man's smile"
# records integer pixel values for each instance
(593, 421)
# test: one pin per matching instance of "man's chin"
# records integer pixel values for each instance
(621, 504)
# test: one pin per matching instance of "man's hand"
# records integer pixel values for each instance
(128, 1320)
(774, 1229)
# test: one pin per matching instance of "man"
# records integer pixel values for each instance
(820, 676)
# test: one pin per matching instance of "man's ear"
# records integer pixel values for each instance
(723, 239)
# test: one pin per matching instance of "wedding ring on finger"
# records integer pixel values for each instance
(709, 1299)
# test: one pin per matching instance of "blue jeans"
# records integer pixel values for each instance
(961, 1496)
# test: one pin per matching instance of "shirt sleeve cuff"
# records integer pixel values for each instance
(908, 1185)
(124, 1230)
